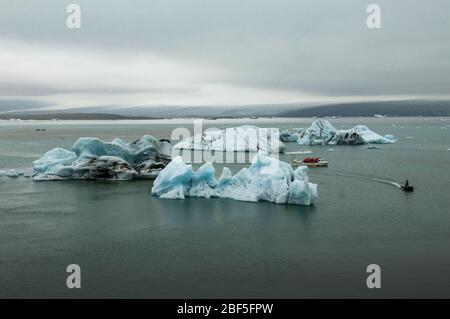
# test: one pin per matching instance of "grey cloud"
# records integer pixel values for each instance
(317, 47)
(37, 89)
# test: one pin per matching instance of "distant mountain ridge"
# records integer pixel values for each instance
(364, 109)
(405, 108)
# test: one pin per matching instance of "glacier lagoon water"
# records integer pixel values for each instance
(130, 244)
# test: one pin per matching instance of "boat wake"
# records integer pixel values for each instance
(365, 177)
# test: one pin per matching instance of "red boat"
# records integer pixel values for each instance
(311, 162)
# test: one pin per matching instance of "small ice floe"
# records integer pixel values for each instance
(331, 149)
(409, 137)
(11, 173)
(15, 120)
(387, 139)
(298, 152)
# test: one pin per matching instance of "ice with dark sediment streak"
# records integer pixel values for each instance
(266, 179)
(322, 132)
(91, 158)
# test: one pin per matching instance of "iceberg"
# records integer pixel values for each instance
(369, 136)
(266, 179)
(91, 158)
(246, 138)
(322, 132)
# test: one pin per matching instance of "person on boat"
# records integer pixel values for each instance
(406, 183)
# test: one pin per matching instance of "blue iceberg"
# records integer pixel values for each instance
(322, 132)
(267, 179)
(91, 158)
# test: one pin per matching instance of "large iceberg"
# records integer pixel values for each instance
(246, 138)
(91, 158)
(267, 179)
(322, 132)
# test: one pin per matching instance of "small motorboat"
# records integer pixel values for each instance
(407, 188)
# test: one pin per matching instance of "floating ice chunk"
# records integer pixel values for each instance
(11, 173)
(267, 179)
(246, 138)
(92, 158)
(298, 153)
(291, 134)
(322, 132)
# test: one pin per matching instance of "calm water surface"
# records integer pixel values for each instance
(130, 244)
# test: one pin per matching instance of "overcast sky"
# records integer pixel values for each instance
(221, 52)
